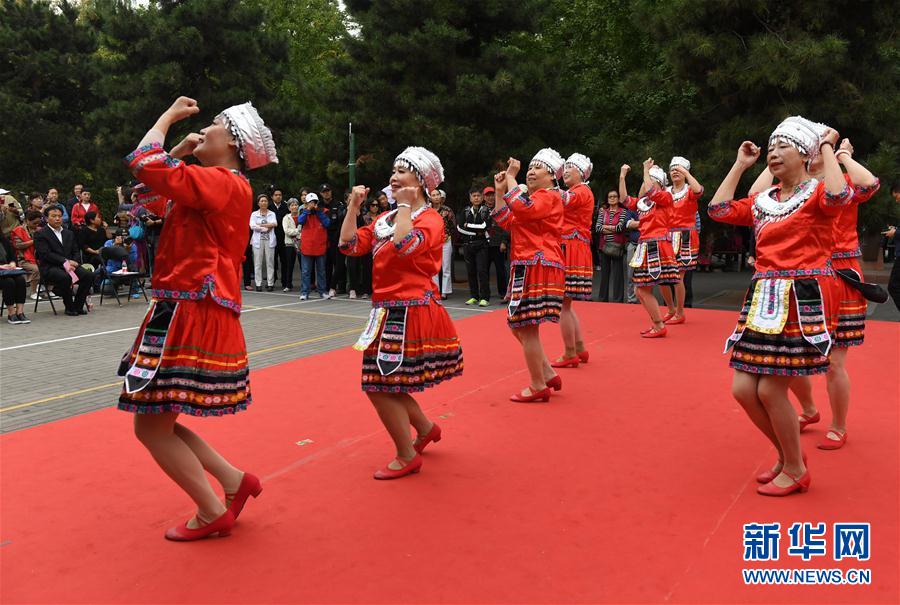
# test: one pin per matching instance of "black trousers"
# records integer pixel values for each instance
(894, 282)
(366, 274)
(500, 262)
(336, 269)
(62, 285)
(279, 257)
(612, 273)
(355, 274)
(13, 290)
(247, 268)
(477, 257)
(688, 289)
(288, 258)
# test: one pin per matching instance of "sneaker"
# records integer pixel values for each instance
(13, 319)
(304, 297)
(483, 303)
(352, 294)
(472, 301)
(365, 296)
(23, 319)
(285, 289)
(34, 296)
(331, 293)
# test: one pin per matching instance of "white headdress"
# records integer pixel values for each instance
(255, 144)
(680, 161)
(659, 175)
(802, 134)
(550, 159)
(426, 166)
(582, 163)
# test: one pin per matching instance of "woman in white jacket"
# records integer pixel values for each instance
(263, 223)
(291, 241)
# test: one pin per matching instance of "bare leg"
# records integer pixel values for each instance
(567, 324)
(417, 417)
(838, 384)
(772, 391)
(392, 410)
(801, 387)
(172, 454)
(744, 389)
(645, 295)
(666, 292)
(679, 297)
(213, 462)
(534, 356)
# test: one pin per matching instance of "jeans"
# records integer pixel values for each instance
(630, 296)
(444, 278)
(306, 263)
(611, 274)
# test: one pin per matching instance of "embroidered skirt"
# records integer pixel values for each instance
(784, 329)
(579, 269)
(654, 264)
(851, 307)
(189, 357)
(414, 348)
(535, 295)
(686, 248)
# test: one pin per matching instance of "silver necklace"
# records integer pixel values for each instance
(767, 208)
(385, 227)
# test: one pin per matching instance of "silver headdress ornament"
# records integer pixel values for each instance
(550, 159)
(582, 163)
(680, 161)
(255, 144)
(802, 134)
(659, 175)
(424, 164)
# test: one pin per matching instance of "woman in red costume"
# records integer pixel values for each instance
(686, 192)
(189, 356)
(851, 304)
(654, 260)
(534, 218)
(784, 328)
(409, 343)
(578, 205)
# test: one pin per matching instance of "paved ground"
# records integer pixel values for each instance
(61, 366)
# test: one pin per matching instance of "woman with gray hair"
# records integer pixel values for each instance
(444, 277)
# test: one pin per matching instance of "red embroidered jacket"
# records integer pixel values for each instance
(684, 211)
(205, 233)
(535, 223)
(656, 220)
(403, 272)
(578, 206)
(846, 239)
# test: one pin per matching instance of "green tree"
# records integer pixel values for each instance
(46, 74)
(464, 78)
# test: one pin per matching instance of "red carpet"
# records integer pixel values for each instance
(631, 486)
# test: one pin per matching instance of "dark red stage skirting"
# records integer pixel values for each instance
(631, 486)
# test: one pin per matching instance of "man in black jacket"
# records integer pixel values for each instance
(473, 223)
(498, 246)
(56, 247)
(280, 208)
(335, 262)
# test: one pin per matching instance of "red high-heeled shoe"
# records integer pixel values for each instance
(667, 317)
(250, 486)
(409, 467)
(655, 332)
(433, 435)
(832, 444)
(800, 484)
(766, 476)
(805, 420)
(555, 383)
(583, 356)
(674, 320)
(220, 527)
(542, 395)
(566, 362)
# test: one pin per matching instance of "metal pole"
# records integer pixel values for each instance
(351, 163)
